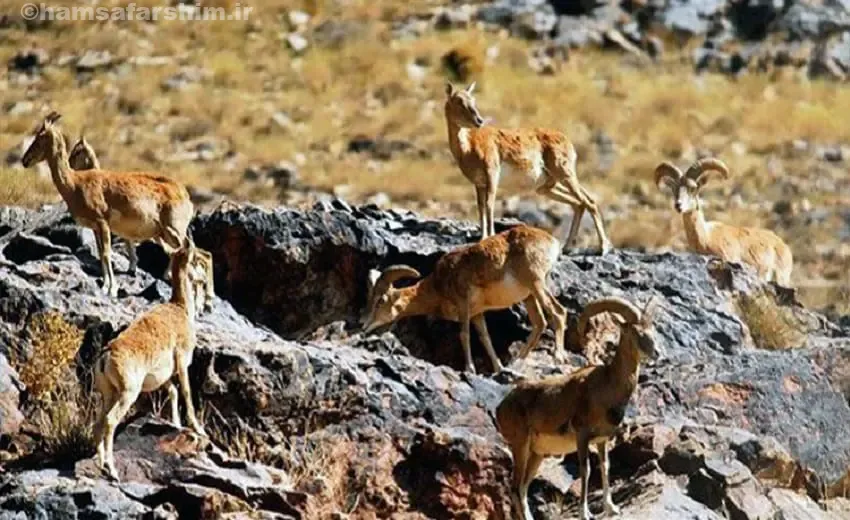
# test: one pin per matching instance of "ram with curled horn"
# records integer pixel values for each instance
(495, 273)
(560, 415)
(757, 247)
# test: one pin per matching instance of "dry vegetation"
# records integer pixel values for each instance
(772, 326)
(61, 411)
(316, 466)
(363, 85)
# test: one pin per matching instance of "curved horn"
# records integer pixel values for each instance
(667, 173)
(52, 117)
(392, 274)
(618, 305)
(701, 170)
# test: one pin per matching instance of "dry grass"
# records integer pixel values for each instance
(772, 326)
(317, 465)
(24, 188)
(61, 411)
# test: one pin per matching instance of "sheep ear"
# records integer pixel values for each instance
(374, 274)
(450, 89)
(470, 88)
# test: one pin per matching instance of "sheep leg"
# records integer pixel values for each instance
(131, 254)
(464, 337)
(604, 463)
(107, 402)
(521, 453)
(481, 196)
(578, 214)
(491, 208)
(584, 472)
(183, 376)
(481, 326)
(558, 193)
(555, 312)
(538, 325)
(571, 183)
(113, 419)
(172, 397)
(104, 242)
(207, 261)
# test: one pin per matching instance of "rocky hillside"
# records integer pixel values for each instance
(746, 418)
(307, 100)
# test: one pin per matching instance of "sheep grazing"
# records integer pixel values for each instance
(760, 248)
(136, 206)
(545, 157)
(495, 273)
(83, 157)
(560, 415)
(145, 356)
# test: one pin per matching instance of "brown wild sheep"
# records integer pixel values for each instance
(145, 356)
(760, 248)
(495, 273)
(560, 415)
(546, 157)
(136, 206)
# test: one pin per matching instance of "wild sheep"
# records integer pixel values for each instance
(560, 415)
(545, 156)
(495, 273)
(145, 356)
(83, 157)
(136, 206)
(757, 247)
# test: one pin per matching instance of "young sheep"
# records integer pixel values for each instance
(145, 356)
(560, 415)
(757, 247)
(494, 273)
(83, 157)
(546, 157)
(135, 206)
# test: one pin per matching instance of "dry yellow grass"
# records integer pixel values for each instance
(772, 326)
(61, 411)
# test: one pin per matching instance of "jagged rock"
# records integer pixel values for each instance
(26, 248)
(528, 18)
(414, 436)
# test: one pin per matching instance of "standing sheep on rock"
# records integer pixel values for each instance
(134, 205)
(546, 157)
(83, 157)
(145, 356)
(495, 273)
(560, 415)
(760, 248)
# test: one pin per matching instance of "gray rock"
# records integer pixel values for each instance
(390, 409)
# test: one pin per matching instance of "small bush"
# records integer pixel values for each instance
(465, 64)
(62, 412)
(54, 343)
(772, 327)
(318, 467)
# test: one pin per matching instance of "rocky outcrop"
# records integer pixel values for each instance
(738, 36)
(317, 418)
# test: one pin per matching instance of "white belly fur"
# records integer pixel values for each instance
(547, 444)
(530, 179)
(499, 295)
